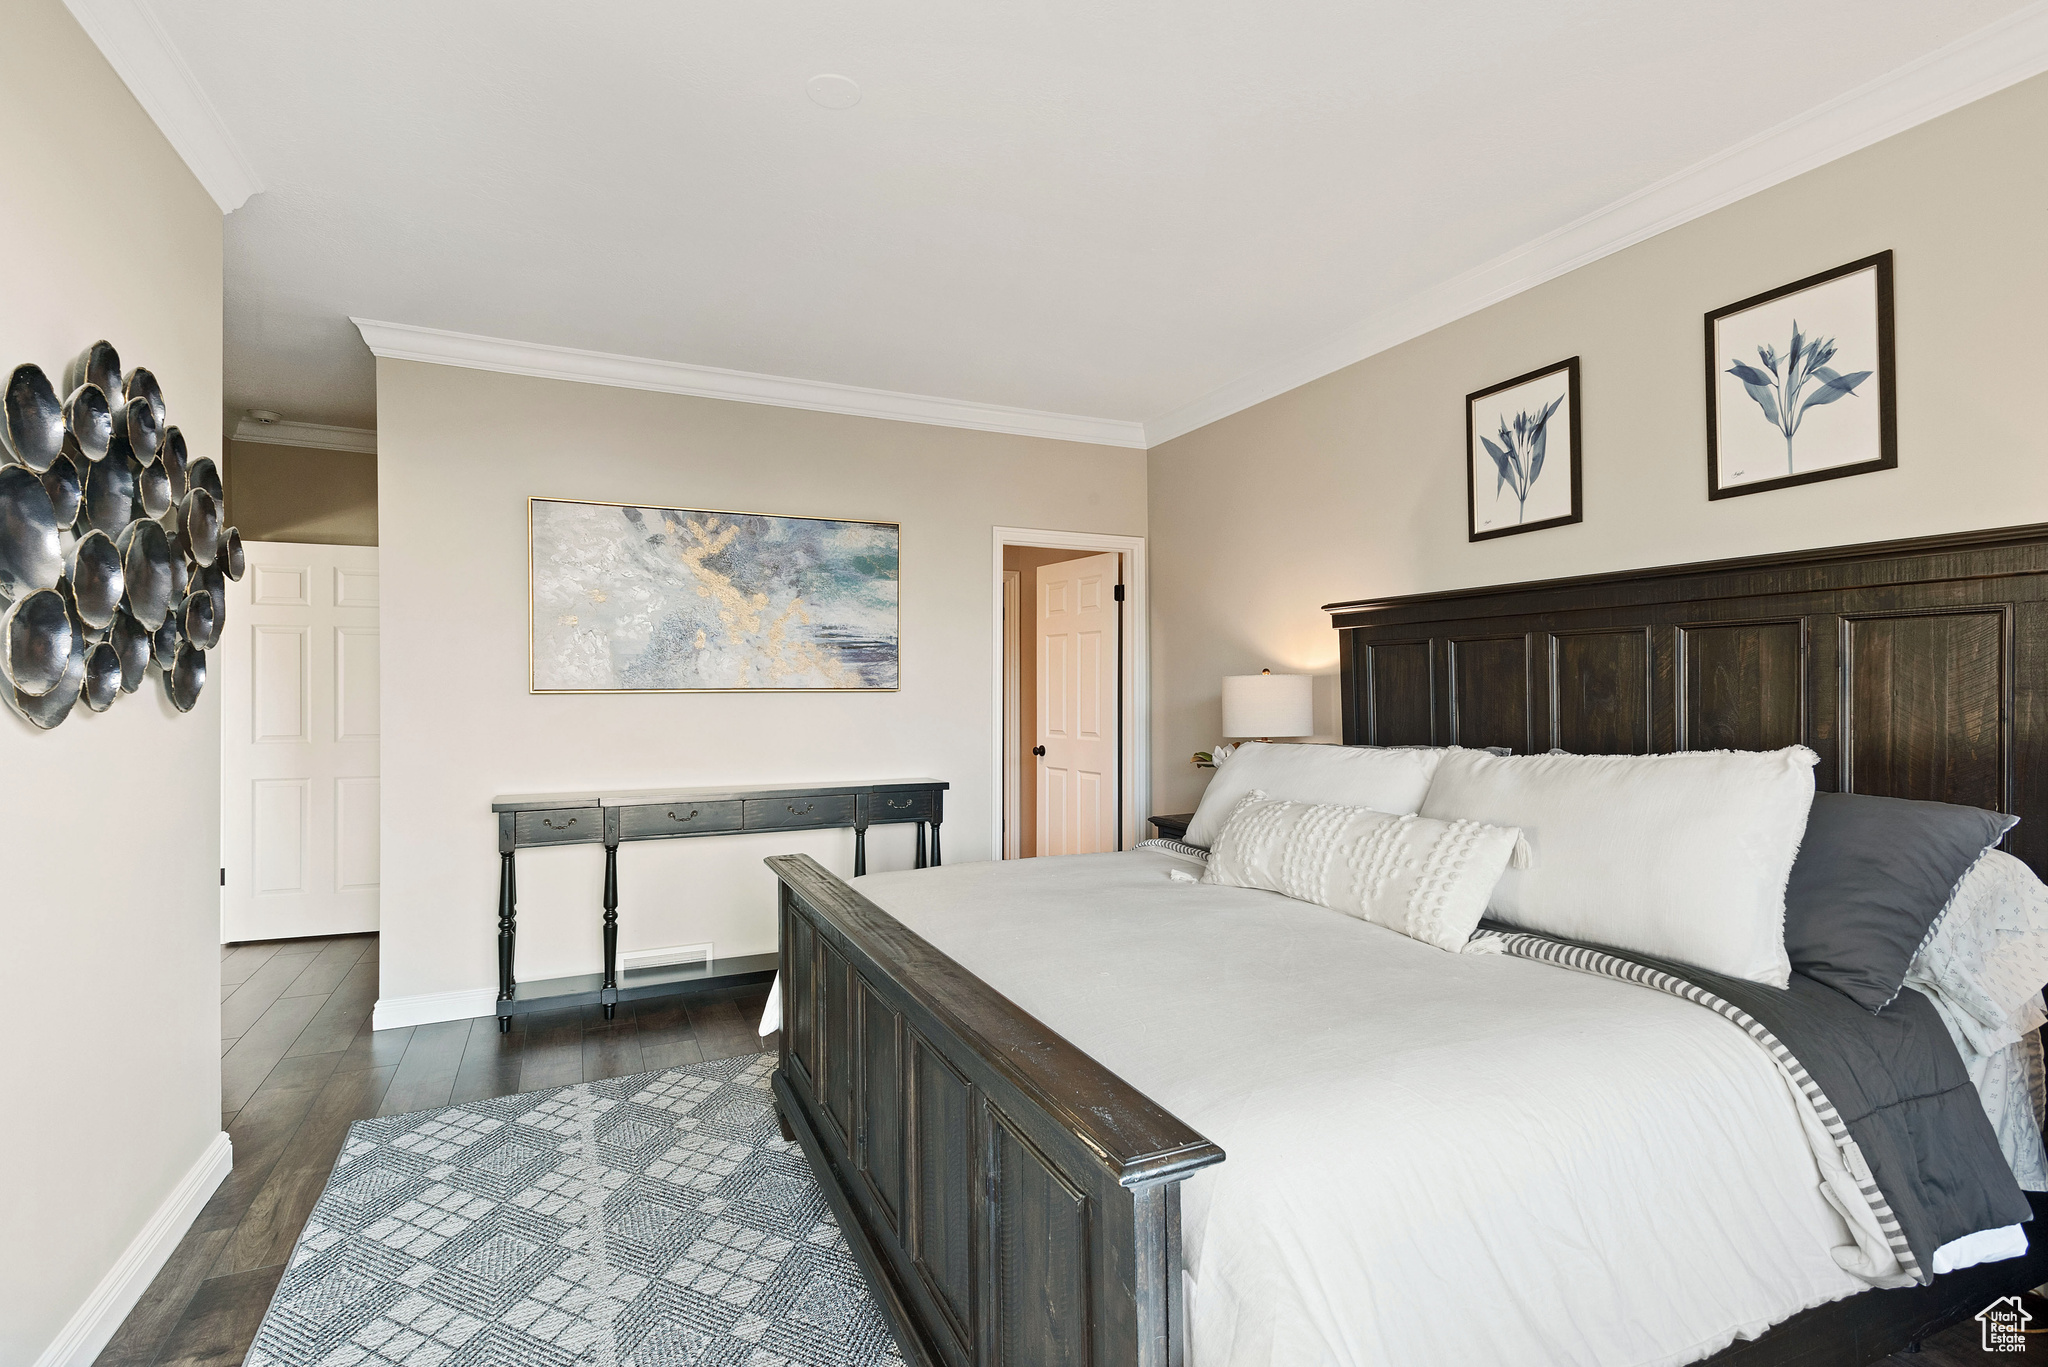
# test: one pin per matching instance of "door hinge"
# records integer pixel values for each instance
(223, 877)
(1119, 593)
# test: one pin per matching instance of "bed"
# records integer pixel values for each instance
(1014, 1198)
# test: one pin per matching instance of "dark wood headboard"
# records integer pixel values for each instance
(1914, 668)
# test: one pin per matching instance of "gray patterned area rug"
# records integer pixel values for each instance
(649, 1221)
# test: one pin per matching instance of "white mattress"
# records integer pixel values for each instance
(1431, 1158)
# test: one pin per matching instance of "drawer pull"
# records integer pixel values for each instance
(549, 822)
(692, 816)
(804, 810)
(905, 805)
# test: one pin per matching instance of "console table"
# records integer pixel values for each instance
(530, 820)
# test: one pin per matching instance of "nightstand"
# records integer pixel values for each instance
(1172, 827)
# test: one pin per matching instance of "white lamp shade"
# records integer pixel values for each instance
(1268, 705)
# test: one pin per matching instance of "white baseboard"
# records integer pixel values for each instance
(392, 1013)
(89, 1330)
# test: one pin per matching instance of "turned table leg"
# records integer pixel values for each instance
(508, 915)
(611, 926)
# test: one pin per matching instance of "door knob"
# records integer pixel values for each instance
(1038, 750)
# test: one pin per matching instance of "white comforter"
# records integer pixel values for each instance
(1432, 1158)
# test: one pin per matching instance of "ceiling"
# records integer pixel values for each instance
(1100, 210)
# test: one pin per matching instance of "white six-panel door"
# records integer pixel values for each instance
(300, 720)
(1077, 684)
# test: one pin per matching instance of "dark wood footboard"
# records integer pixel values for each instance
(1011, 1200)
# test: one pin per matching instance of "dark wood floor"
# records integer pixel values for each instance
(299, 1063)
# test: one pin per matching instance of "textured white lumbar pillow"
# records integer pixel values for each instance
(1683, 856)
(1354, 776)
(1427, 879)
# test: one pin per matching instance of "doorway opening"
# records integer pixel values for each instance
(1071, 708)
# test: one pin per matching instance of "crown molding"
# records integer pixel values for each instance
(1970, 68)
(134, 43)
(319, 435)
(405, 342)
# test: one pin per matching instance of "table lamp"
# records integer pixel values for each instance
(1265, 704)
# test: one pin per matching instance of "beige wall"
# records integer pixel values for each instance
(108, 896)
(1354, 485)
(460, 451)
(297, 493)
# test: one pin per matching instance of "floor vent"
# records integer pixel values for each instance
(674, 956)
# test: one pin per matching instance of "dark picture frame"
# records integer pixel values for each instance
(1484, 439)
(1723, 351)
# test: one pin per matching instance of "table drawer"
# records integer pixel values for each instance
(783, 813)
(578, 826)
(678, 818)
(886, 807)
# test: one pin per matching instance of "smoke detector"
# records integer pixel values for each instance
(265, 416)
(833, 92)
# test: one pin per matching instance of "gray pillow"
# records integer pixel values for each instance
(1873, 876)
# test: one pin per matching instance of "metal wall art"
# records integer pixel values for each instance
(113, 552)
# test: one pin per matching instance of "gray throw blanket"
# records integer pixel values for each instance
(1893, 1081)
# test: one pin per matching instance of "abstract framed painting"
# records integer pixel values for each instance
(638, 598)
(1800, 382)
(1522, 453)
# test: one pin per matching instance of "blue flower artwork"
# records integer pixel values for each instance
(1799, 382)
(1518, 460)
(1785, 388)
(1523, 452)
(652, 599)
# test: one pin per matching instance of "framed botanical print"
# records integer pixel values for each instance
(1800, 382)
(1522, 453)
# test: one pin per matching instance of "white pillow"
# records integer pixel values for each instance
(1683, 856)
(1989, 956)
(1353, 775)
(1427, 879)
